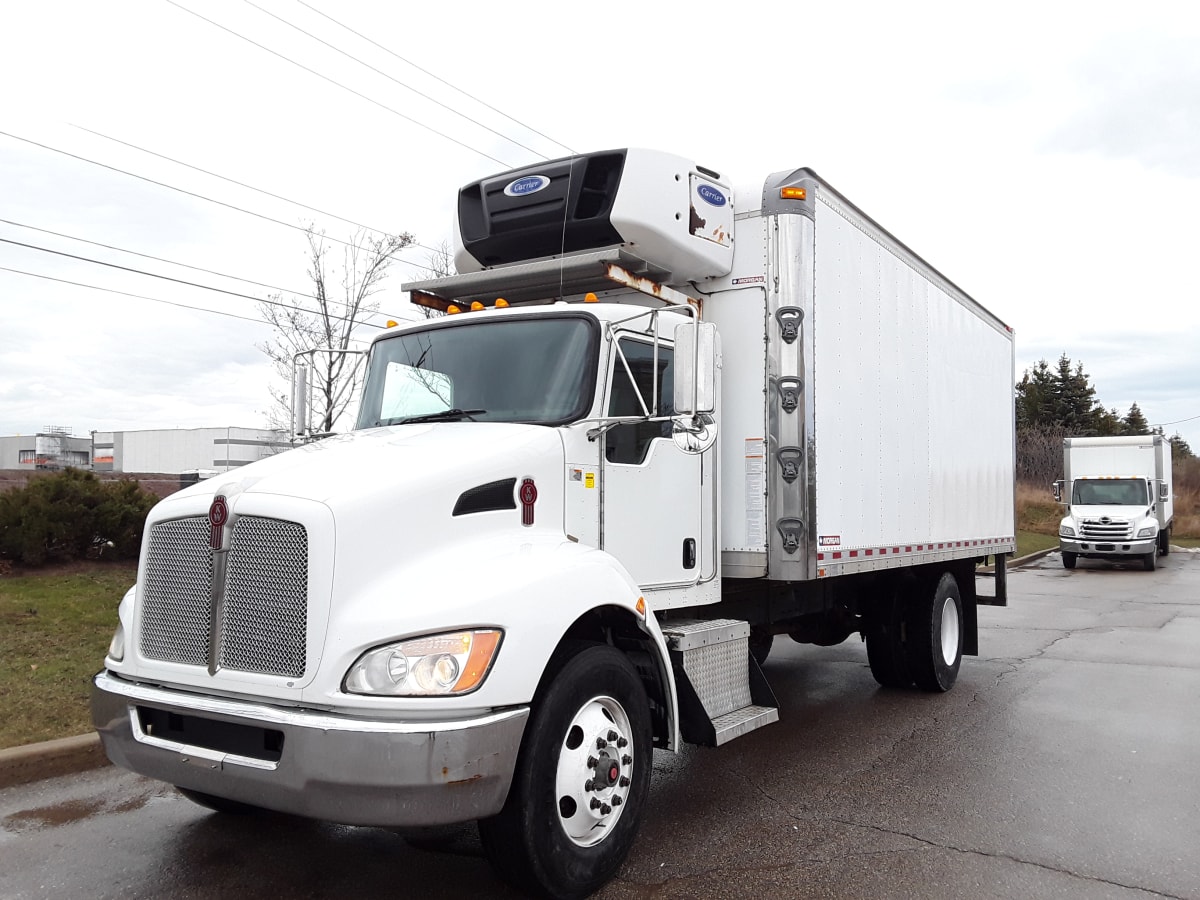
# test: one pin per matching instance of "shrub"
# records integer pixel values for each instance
(72, 515)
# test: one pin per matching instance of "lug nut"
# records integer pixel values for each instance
(626, 759)
(616, 801)
(595, 803)
(624, 782)
(605, 809)
(601, 743)
(621, 742)
(612, 735)
(592, 761)
(589, 785)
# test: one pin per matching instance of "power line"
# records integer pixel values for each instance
(1177, 421)
(437, 78)
(408, 87)
(205, 287)
(351, 90)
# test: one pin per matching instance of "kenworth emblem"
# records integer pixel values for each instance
(529, 184)
(528, 495)
(218, 515)
(710, 195)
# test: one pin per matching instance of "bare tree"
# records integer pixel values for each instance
(439, 262)
(341, 302)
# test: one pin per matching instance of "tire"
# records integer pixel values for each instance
(935, 635)
(1150, 561)
(219, 804)
(1164, 542)
(549, 840)
(886, 652)
(761, 640)
(1069, 559)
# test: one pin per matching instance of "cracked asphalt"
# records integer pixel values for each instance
(1064, 764)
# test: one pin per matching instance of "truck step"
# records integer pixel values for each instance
(722, 691)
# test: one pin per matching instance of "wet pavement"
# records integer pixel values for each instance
(1063, 764)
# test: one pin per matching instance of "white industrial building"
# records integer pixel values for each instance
(171, 451)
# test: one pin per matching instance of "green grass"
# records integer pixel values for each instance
(1185, 542)
(1032, 541)
(54, 631)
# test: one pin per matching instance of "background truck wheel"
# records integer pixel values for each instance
(1150, 560)
(885, 643)
(576, 799)
(220, 804)
(935, 635)
(1069, 559)
(761, 639)
(1164, 542)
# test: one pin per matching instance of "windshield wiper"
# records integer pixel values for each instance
(446, 415)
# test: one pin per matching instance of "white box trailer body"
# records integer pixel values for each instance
(665, 421)
(1120, 499)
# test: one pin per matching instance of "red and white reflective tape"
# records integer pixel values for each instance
(984, 544)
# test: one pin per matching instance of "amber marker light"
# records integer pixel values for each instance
(392, 323)
(641, 607)
(501, 303)
(793, 193)
(589, 297)
(482, 649)
(476, 306)
(452, 310)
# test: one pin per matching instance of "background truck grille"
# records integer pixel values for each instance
(1115, 530)
(263, 625)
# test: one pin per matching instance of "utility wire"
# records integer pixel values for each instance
(351, 90)
(188, 283)
(1177, 421)
(408, 87)
(437, 78)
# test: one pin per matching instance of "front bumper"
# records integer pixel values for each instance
(1108, 549)
(349, 770)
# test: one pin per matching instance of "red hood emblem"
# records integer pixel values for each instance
(218, 515)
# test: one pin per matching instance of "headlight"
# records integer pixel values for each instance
(1066, 531)
(1147, 532)
(438, 664)
(116, 647)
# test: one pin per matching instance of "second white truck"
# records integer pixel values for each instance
(666, 420)
(1120, 504)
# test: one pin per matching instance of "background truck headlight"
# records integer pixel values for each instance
(1066, 531)
(1148, 531)
(434, 665)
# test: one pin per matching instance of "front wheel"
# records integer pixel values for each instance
(1069, 559)
(1150, 561)
(576, 800)
(936, 635)
(1164, 542)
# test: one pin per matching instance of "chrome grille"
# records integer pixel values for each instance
(265, 615)
(175, 592)
(1111, 530)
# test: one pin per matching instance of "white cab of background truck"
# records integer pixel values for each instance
(1120, 504)
(664, 421)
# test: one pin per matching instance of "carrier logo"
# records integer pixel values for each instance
(529, 184)
(711, 195)
(218, 515)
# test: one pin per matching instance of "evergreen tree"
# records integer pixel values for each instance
(1134, 422)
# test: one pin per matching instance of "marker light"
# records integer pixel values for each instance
(476, 306)
(641, 607)
(438, 664)
(392, 323)
(793, 193)
(452, 310)
(501, 303)
(589, 297)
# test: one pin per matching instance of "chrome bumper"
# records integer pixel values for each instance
(1090, 547)
(347, 770)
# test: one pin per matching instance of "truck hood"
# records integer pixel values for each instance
(1124, 513)
(392, 464)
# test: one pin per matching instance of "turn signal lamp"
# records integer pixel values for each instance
(501, 303)
(452, 310)
(793, 193)
(641, 607)
(589, 297)
(476, 306)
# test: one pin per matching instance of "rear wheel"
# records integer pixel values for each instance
(935, 635)
(1069, 559)
(1164, 542)
(581, 780)
(884, 634)
(761, 639)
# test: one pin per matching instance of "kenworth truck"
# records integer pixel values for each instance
(1119, 501)
(664, 421)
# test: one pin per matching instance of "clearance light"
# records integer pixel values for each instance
(452, 310)
(793, 193)
(476, 306)
(392, 323)
(641, 607)
(589, 297)
(501, 303)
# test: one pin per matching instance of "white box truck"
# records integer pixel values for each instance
(664, 421)
(1120, 505)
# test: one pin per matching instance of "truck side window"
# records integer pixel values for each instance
(629, 443)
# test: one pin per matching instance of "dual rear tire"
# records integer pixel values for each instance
(916, 635)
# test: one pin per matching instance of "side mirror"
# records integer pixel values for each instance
(1057, 488)
(1164, 491)
(696, 360)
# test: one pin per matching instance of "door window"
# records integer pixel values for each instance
(630, 442)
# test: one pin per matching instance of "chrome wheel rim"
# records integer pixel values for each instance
(595, 771)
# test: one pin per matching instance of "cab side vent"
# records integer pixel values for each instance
(487, 498)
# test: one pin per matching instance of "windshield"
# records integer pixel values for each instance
(539, 370)
(1110, 492)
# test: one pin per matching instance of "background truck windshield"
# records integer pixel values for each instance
(1110, 492)
(538, 370)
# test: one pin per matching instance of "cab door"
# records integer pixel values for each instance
(654, 511)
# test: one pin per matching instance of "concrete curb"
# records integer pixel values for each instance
(65, 756)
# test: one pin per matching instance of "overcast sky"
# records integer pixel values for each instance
(1045, 156)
